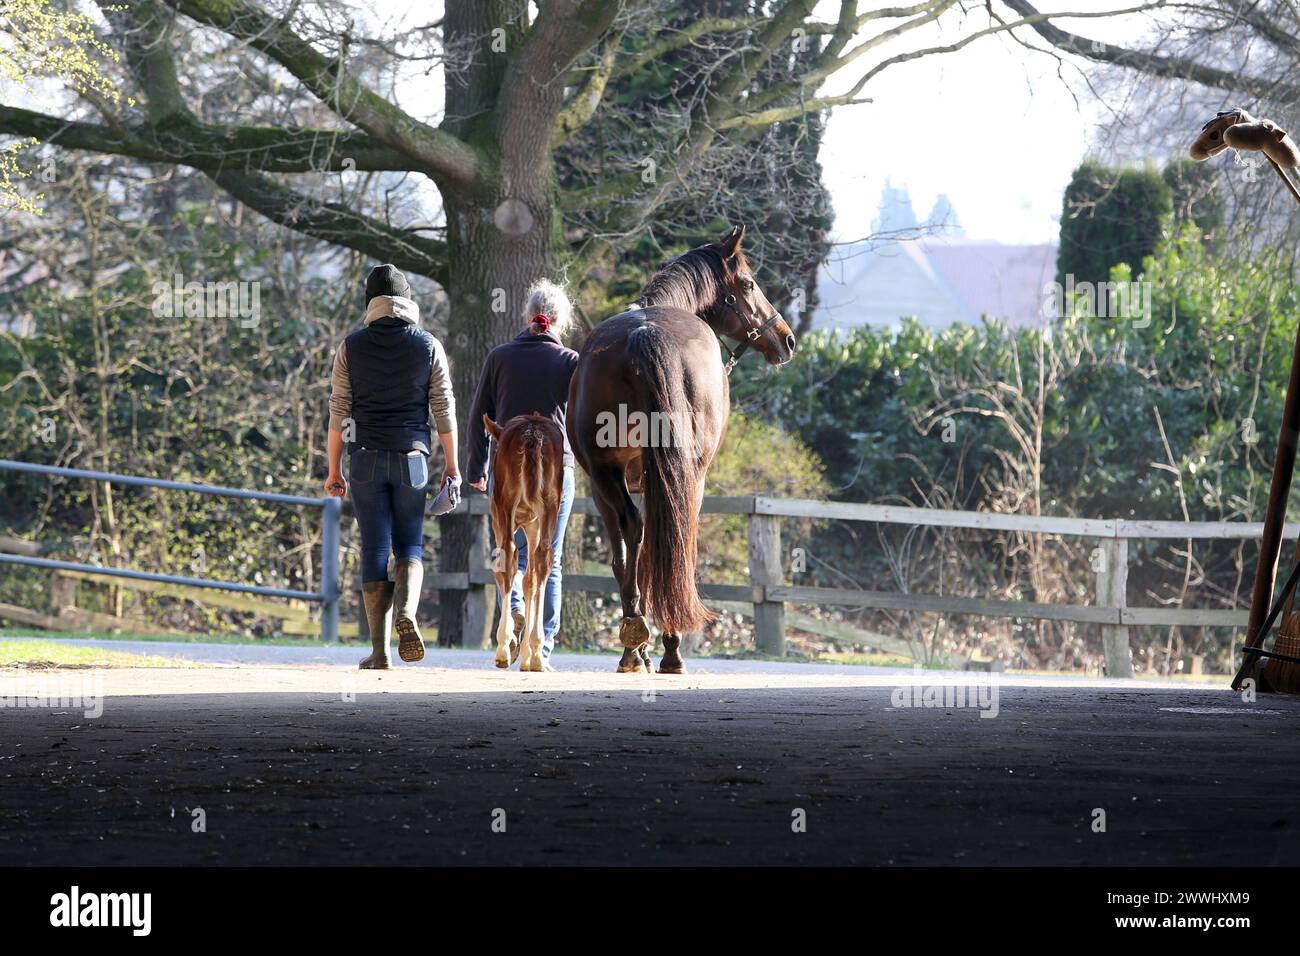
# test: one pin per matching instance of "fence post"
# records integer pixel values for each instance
(1112, 591)
(480, 597)
(765, 572)
(329, 568)
(63, 593)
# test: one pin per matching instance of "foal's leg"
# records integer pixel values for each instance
(530, 659)
(537, 612)
(623, 524)
(503, 566)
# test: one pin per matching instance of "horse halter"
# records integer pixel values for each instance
(751, 336)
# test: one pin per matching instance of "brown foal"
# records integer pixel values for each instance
(527, 479)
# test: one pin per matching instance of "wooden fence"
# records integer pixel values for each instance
(769, 593)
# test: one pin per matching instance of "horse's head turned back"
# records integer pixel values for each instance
(716, 282)
(776, 342)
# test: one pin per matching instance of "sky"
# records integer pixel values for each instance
(935, 126)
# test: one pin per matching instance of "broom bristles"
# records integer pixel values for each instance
(1284, 676)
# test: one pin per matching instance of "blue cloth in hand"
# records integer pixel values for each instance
(448, 497)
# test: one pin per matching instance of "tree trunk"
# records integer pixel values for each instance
(501, 237)
(490, 272)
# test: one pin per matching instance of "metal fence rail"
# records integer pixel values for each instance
(331, 509)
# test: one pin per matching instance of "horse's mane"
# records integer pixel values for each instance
(691, 282)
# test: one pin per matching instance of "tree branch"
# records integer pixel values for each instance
(335, 223)
(582, 106)
(833, 58)
(144, 29)
(778, 114)
(669, 42)
(1152, 64)
(438, 153)
(210, 148)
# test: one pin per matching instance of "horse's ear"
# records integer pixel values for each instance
(493, 428)
(730, 243)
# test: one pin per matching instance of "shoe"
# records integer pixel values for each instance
(406, 602)
(377, 596)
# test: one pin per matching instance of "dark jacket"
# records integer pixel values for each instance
(389, 378)
(528, 374)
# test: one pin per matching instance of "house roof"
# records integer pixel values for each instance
(941, 280)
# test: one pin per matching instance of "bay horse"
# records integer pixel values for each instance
(527, 479)
(650, 398)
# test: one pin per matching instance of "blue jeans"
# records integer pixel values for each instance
(388, 497)
(551, 614)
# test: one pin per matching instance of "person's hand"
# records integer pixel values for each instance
(452, 471)
(481, 484)
(335, 485)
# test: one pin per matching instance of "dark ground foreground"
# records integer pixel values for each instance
(308, 765)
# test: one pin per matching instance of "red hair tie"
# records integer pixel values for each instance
(542, 321)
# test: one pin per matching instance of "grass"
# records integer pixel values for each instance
(42, 654)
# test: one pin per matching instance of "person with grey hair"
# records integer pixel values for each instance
(530, 373)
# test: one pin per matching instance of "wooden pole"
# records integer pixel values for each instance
(1112, 591)
(1286, 179)
(1270, 543)
(765, 571)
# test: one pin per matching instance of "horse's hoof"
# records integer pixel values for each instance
(633, 632)
(514, 653)
(500, 663)
(667, 668)
(631, 662)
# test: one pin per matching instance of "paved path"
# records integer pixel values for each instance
(315, 763)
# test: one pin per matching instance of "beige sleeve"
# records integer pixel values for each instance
(442, 403)
(340, 390)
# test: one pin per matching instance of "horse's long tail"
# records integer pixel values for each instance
(668, 549)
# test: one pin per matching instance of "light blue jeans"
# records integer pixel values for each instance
(554, 583)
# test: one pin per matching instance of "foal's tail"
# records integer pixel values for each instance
(532, 453)
(672, 484)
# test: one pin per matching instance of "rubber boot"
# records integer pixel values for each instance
(378, 599)
(410, 578)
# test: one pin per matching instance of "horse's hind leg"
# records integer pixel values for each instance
(624, 527)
